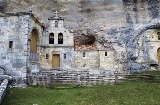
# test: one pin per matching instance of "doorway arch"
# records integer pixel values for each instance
(34, 41)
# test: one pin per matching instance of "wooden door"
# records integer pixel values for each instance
(56, 60)
(158, 55)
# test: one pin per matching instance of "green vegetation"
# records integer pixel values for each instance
(126, 93)
(135, 92)
(150, 72)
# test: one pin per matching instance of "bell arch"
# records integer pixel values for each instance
(60, 38)
(51, 38)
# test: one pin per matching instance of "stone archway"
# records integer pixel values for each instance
(34, 42)
(141, 29)
(134, 48)
(132, 45)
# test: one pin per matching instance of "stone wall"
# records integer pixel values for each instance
(95, 59)
(86, 59)
(64, 62)
(15, 38)
(13, 43)
(107, 60)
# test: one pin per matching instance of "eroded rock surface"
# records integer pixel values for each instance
(118, 24)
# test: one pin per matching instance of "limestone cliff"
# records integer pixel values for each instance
(119, 22)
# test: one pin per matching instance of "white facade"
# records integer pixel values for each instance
(57, 45)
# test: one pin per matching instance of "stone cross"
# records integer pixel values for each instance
(56, 13)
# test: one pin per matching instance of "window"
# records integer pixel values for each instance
(51, 38)
(56, 23)
(158, 35)
(10, 44)
(47, 56)
(64, 56)
(105, 53)
(60, 38)
(84, 54)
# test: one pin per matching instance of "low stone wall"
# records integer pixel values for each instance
(3, 88)
(81, 78)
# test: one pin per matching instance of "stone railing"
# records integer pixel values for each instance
(3, 88)
(34, 56)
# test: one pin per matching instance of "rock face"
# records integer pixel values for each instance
(117, 23)
(92, 17)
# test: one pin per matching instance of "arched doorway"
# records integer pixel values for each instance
(33, 45)
(158, 55)
(34, 41)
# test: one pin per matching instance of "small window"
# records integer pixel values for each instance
(64, 56)
(76, 42)
(105, 53)
(84, 54)
(10, 44)
(47, 56)
(158, 35)
(56, 23)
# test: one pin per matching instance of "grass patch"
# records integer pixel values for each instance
(126, 93)
(150, 72)
(135, 92)
(149, 76)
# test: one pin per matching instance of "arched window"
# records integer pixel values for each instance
(10, 44)
(60, 38)
(106, 54)
(51, 38)
(84, 54)
(158, 33)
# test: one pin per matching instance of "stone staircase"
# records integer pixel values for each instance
(84, 77)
